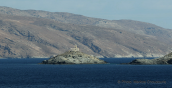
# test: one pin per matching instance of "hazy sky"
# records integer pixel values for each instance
(158, 12)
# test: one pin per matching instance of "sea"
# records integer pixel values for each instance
(27, 73)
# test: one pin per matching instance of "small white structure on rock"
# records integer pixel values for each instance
(74, 49)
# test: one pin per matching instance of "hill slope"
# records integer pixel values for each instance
(141, 28)
(25, 34)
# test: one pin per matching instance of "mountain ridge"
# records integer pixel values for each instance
(27, 36)
(64, 17)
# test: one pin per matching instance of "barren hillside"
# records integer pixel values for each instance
(32, 33)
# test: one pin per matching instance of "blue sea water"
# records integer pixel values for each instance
(27, 73)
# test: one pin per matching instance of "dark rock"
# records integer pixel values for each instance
(73, 57)
(167, 59)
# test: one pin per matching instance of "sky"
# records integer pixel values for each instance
(158, 12)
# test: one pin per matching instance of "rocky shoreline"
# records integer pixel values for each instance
(73, 57)
(167, 59)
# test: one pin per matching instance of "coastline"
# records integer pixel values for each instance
(99, 58)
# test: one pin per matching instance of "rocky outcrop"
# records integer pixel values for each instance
(73, 57)
(167, 59)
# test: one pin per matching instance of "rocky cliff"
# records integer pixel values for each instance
(167, 59)
(73, 57)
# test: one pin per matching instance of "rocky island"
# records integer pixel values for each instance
(167, 59)
(73, 56)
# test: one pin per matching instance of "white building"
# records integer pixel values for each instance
(75, 49)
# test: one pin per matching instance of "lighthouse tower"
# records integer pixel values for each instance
(75, 48)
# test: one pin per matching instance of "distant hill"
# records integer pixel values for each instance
(32, 33)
